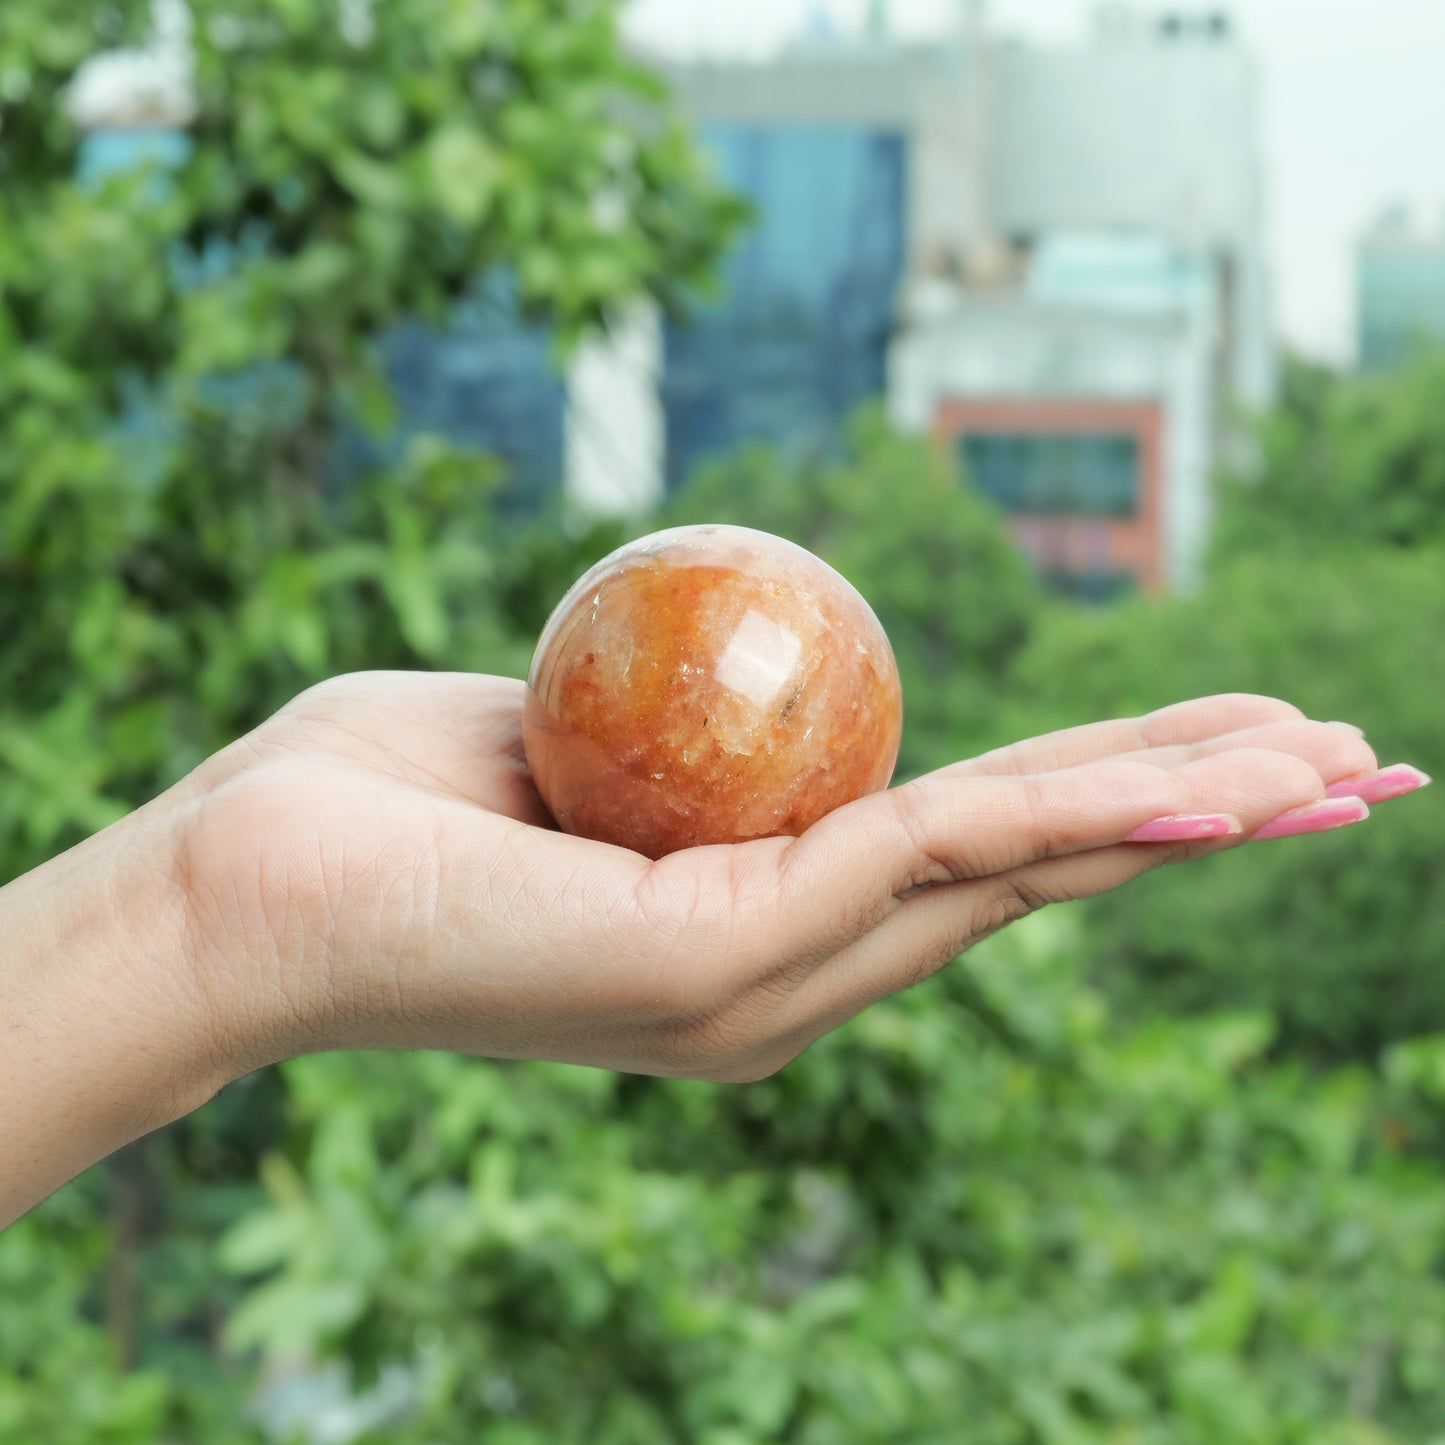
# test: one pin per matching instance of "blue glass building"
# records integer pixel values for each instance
(797, 340)
(486, 379)
(1401, 299)
(1048, 474)
(112, 152)
(800, 334)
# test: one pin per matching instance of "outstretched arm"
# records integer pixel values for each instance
(372, 868)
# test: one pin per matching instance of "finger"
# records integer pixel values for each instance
(802, 900)
(1377, 786)
(927, 929)
(742, 927)
(1180, 724)
(1333, 750)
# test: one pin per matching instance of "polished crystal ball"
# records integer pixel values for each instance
(709, 684)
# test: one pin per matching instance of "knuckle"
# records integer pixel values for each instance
(1270, 771)
(739, 1041)
(1008, 903)
(1253, 707)
(320, 695)
(1036, 835)
(1125, 775)
(910, 815)
(1265, 706)
(1027, 899)
(1041, 819)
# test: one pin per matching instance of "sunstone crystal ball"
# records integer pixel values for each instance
(709, 685)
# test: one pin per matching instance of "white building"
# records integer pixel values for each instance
(1083, 269)
(1049, 256)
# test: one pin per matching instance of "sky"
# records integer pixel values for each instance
(1353, 101)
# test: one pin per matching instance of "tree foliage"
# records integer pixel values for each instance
(1006, 1208)
(178, 352)
(1343, 464)
(1327, 588)
(1042, 1227)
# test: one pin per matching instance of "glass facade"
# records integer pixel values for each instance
(799, 336)
(796, 341)
(113, 152)
(1041, 474)
(1096, 587)
(485, 380)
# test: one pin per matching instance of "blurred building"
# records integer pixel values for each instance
(1400, 290)
(1050, 258)
(487, 378)
(810, 294)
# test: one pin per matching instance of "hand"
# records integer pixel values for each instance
(372, 867)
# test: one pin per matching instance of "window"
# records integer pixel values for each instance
(1090, 586)
(799, 336)
(1042, 473)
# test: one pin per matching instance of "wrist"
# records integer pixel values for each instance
(104, 1035)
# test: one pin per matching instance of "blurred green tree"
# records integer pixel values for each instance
(1044, 1230)
(347, 167)
(165, 585)
(989, 1210)
(1327, 588)
(1343, 463)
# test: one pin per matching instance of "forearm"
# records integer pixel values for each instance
(102, 1035)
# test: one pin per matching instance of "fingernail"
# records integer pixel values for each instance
(1359, 732)
(1182, 827)
(1389, 782)
(1315, 818)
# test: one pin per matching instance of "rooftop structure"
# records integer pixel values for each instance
(1400, 290)
(1073, 230)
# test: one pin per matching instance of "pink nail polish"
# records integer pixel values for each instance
(1389, 782)
(1315, 818)
(1184, 827)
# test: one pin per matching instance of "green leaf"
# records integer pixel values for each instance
(411, 588)
(294, 1314)
(262, 1241)
(462, 170)
(1225, 1317)
(319, 270)
(376, 183)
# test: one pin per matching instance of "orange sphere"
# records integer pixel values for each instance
(709, 685)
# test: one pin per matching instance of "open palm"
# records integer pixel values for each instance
(373, 867)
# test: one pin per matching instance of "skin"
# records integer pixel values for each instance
(372, 868)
